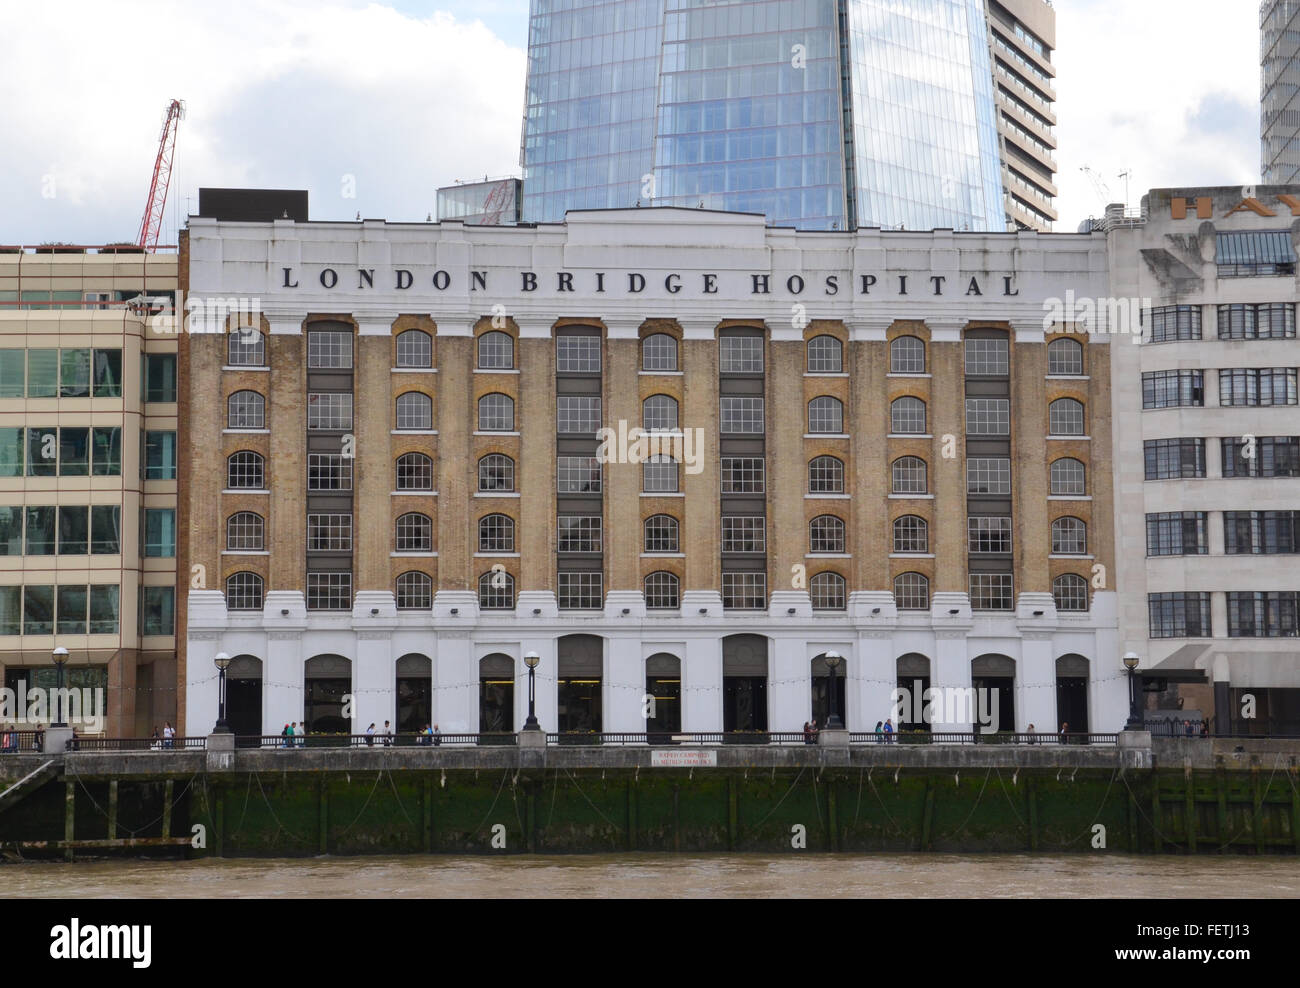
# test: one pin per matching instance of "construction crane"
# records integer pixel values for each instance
(1103, 190)
(151, 225)
(496, 203)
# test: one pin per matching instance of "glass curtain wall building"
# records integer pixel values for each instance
(821, 114)
(1279, 29)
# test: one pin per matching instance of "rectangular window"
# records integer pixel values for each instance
(741, 416)
(986, 534)
(74, 374)
(42, 452)
(74, 452)
(11, 531)
(160, 532)
(740, 355)
(42, 373)
(107, 373)
(577, 414)
(743, 475)
(13, 373)
(1257, 386)
(577, 475)
(329, 472)
(1263, 615)
(1266, 533)
(105, 529)
(1175, 322)
(988, 475)
(329, 411)
(1176, 533)
(329, 591)
(577, 355)
(991, 592)
(1255, 254)
(159, 455)
(1267, 321)
(988, 416)
(988, 358)
(1173, 389)
(329, 533)
(580, 591)
(1179, 615)
(11, 452)
(744, 591)
(106, 451)
(157, 610)
(71, 612)
(11, 610)
(103, 609)
(159, 376)
(1268, 456)
(40, 529)
(38, 610)
(579, 533)
(329, 349)
(74, 530)
(744, 533)
(1170, 459)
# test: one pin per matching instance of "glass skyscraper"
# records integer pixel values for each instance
(1279, 29)
(821, 114)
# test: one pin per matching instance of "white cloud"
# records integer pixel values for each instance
(1168, 89)
(279, 93)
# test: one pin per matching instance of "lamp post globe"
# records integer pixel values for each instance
(1131, 661)
(222, 661)
(531, 659)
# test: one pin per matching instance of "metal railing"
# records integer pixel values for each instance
(136, 744)
(16, 742)
(979, 737)
(673, 738)
(303, 741)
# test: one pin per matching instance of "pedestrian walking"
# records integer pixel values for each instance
(1032, 739)
(388, 735)
(370, 736)
(437, 735)
(1065, 732)
(889, 730)
(880, 732)
(169, 735)
(287, 734)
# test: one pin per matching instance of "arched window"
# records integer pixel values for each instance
(246, 410)
(414, 592)
(1069, 537)
(659, 475)
(912, 592)
(1065, 417)
(659, 353)
(245, 532)
(1070, 592)
(246, 470)
(825, 355)
(911, 534)
(825, 475)
(907, 356)
(496, 351)
(496, 533)
(659, 414)
(826, 534)
(496, 472)
(829, 592)
(661, 534)
(243, 592)
(496, 591)
(1065, 357)
(1069, 478)
(414, 472)
(908, 474)
(414, 533)
(907, 416)
(247, 348)
(414, 349)
(662, 591)
(496, 413)
(414, 411)
(826, 415)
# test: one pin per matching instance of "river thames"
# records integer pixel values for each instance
(889, 876)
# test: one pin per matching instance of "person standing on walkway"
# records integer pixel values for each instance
(370, 736)
(169, 735)
(437, 735)
(889, 730)
(388, 734)
(880, 732)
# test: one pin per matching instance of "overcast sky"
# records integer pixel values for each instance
(390, 100)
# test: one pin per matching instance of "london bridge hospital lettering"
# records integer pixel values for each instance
(674, 283)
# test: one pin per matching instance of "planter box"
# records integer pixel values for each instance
(747, 737)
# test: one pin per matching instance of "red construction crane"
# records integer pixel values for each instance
(151, 225)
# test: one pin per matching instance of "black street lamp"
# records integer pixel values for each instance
(222, 661)
(1131, 661)
(531, 659)
(60, 657)
(833, 722)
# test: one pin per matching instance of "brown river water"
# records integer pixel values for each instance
(643, 876)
